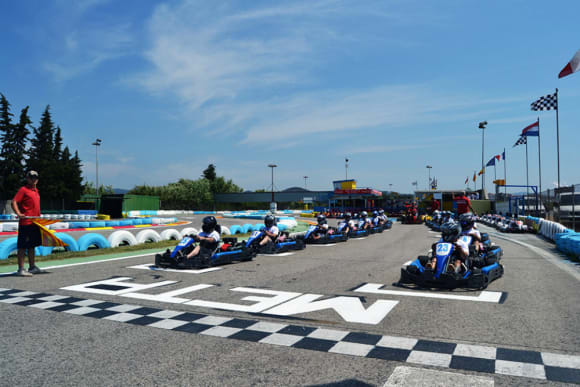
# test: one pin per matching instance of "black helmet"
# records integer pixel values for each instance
(450, 231)
(347, 216)
(364, 214)
(321, 219)
(375, 213)
(269, 220)
(208, 224)
(467, 221)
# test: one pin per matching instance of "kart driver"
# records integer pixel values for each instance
(208, 238)
(468, 227)
(377, 220)
(271, 230)
(348, 223)
(321, 227)
(367, 221)
(383, 216)
(450, 233)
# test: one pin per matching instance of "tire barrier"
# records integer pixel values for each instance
(97, 224)
(226, 231)
(235, 229)
(7, 246)
(79, 225)
(145, 236)
(10, 227)
(137, 221)
(92, 239)
(258, 227)
(121, 237)
(188, 231)
(69, 240)
(282, 227)
(246, 228)
(59, 226)
(170, 234)
(125, 223)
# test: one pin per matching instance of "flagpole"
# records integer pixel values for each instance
(504, 174)
(557, 137)
(539, 166)
(527, 177)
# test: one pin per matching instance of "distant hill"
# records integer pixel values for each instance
(120, 191)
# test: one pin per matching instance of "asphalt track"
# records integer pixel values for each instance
(530, 333)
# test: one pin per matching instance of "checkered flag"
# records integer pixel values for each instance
(521, 141)
(547, 102)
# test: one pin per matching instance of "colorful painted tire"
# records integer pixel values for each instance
(236, 229)
(92, 239)
(7, 246)
(145, 236)
(188, 231)
(226, 231)
(170, 234)
(122, 237)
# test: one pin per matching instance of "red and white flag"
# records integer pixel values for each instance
(571, 67)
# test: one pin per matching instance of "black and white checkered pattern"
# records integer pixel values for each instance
(521, 141)
(495, 360)
(547, 102)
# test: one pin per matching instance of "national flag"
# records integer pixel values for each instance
(474, 177)
(491, 162)
(503, 155)
(547, 102)
(47, 237)
(532, 129)
(466, 179)
(521, 141)
(572, 66)
(346, 160)
(481, 172)
(498, 157)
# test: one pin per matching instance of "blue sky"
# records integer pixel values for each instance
(172, 86)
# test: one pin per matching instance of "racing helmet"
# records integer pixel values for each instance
(381, 211)
(375, 213)
(450, 231)
(321, 219)
(347, 216)
(467, 221)
(364, 214)
(208, 224)
(269, 220)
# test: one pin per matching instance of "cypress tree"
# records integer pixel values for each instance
(6, 130)
(41, 157)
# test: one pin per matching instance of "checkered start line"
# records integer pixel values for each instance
(505, 361)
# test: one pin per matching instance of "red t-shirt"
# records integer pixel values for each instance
(28, 201)
(463, 204)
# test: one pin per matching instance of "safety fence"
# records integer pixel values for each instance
(567, 240)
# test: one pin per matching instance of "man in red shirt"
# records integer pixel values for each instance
(463, 204)
(434, 206)
(26, 203)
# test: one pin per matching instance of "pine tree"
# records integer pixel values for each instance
(41, 158)
(6, 130)
(57, 144)
(14, 159)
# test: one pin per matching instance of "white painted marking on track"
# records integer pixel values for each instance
(358, 239)
(150, 266)
(484, 296)
(323, 245)
(89, 263)
(277, 255)
(404, 376)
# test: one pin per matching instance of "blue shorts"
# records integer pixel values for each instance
(28, 237)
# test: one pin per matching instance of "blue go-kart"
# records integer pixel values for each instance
(282, 244)
(477, 271)
(317, 235)
(230, 251)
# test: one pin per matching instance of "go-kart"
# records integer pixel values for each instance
(354, 233)
(325, 236)
(477, 271)
(231, 250)
(283, 243)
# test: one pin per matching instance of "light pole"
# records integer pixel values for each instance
(273, 203)
(482, 127)
(97, 144)
(429, 185)
(305, 177)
